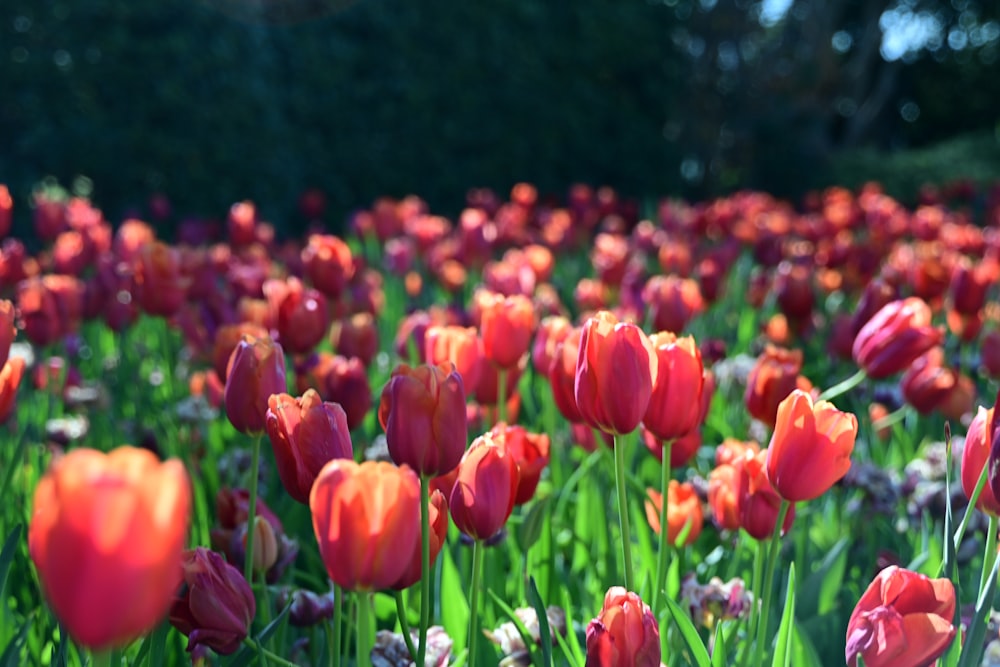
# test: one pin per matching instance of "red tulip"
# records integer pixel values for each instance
(895, 337)
(773, 377)
(458, 345)
(305, 434)
(215, 606)
(624, 634)
(615, 373)
(811, 447)
(759, 503)
(364, 516)
(675, 404)
(530, 452)
(256, 370)
(562, 375)
(485, 489)
(423, 413)
(300, 314)
(107, 535)
(328, 264)
(507, 324)
(10, 379)
(975, 454)
(903, 618)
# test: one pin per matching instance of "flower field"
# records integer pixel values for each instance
(551, 431)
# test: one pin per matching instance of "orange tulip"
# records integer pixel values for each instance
(625, 634)
(683, 508)
(724, 495)
(305, 434)
(10, 380)
(675, 404)
(107, 536)
(364, 516)
(485, 489)
(615, 373)
(904, 618)
(507, 325)
(458, 345)
(811, 447)
(975, 454)
(773, 377)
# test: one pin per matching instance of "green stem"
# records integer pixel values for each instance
(252, 511)
(971, 507)
(100, 658)
(425, 570)
(333, 639)
(772, 558)
(990, 556)
(623, 512)
(754, 616)
(664, 543)
(266, 655)
(843, 387)
(404, 625)
(477, 567)
(501, 395)
(366, 638)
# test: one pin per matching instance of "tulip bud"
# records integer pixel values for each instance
(256, 370)
(265, 545)
(215, 605)
(423, 413)
(675, 404)
(624, 634)
(305, 433)
(615, 373)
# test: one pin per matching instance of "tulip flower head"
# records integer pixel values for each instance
(615, 373)
(107, 536)
(683, 509)
(485, 489)
(256, 370)
(624, 634)
(904, 618)
(811, 447)
(675, 405)
(895, 337)
(215, 606)
(365, 516)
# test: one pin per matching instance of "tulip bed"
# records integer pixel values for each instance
(457, 441)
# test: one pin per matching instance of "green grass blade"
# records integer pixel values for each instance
(783, 643)
(690, 634)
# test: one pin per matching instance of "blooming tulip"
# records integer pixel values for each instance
(485, 489)
(975, 454)
(365, 517)
(675, 403)
(507, 325)
(615, 373)
(215, 606)
(683, 508)
(624, 634)
(305, 434)
(904, 618)
(811, 447)
(895, 337)
(107, 536)
(423, 413)
(256, 370)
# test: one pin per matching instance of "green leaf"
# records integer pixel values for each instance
(783, 642)
(803, 650)
(454, 614)
(7, 557)
(544, 631)
(821, 587)
(11, 656)
(972, 647)
(690, 634)
(530, 529)
(529, 641)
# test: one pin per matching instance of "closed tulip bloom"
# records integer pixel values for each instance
(160, 284)
(305, 434)
(904, 618)
(507, 325)
(423, 413)
(328, 264)
(683, 508)
(927, 384)
(355, 336)
(438, 509)
(673, 301)
(675, 404)
(772, 378)
(107, 535)
(624, 634)
(7, 330)
(615, 373)
(811, 447)
(562, 375)
(724, 494)
(364, 516)
(227, 337)
(531, 453)
(215, 606)
(458, 345)
(975, 454)
(758, 502)
(256, 370)
(485, 489)
(10, 380)
(895, 337)
(552, 330)
(300, 314)
(347, 384)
